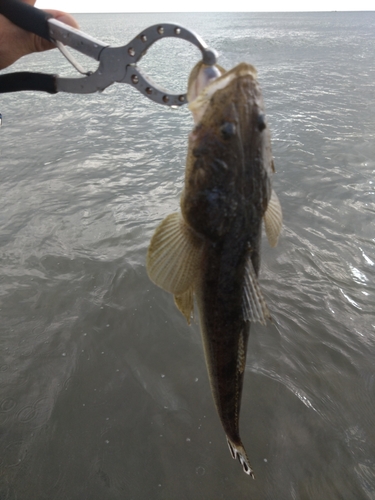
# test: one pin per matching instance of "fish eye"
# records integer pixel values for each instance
(228, 130)
(261, 122)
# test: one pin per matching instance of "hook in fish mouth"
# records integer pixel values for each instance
(238, 451)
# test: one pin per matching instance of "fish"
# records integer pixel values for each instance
(209, 251)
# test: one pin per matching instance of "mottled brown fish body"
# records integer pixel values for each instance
(226, 194)
(224, 332)
(229, 163)
(211, 250)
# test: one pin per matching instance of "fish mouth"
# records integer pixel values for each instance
(200, 77)
(199, 105)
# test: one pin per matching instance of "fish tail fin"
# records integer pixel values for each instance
(238, 451)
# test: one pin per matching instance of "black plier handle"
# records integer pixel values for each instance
(116, 64)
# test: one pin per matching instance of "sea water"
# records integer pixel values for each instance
(103, 386)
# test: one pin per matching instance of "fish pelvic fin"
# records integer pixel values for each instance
(238, 451)
(253, 303)
(185, 304)
(273, 219)
(173, 260)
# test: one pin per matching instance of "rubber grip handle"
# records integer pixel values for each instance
(26, 17)
(15, 82)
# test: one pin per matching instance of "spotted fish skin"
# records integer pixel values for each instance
(211, 249)
(225, 336)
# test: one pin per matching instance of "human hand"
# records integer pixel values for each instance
(15, 42)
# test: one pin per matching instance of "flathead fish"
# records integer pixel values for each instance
(210, 250)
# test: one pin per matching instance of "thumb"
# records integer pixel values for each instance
(38, 44)
(63, 17)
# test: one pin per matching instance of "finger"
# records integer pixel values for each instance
(63, 17)
(39, 44)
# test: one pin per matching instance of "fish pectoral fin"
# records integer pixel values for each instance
(185, 304)
(174, 255)
(273, 219)
(253, 303)
(238, 451)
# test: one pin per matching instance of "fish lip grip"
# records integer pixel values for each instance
(116, 64)
(119, 64)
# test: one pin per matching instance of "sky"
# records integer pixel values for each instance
(75, 6)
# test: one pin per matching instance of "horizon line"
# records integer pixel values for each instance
(232, 12)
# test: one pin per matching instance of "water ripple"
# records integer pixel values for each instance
(86, 338)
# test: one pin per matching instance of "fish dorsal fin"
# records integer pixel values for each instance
(185, 304)
(253, 303)
(174, 255)
(273, 219)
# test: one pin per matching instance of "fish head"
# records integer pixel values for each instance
(229, 163)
